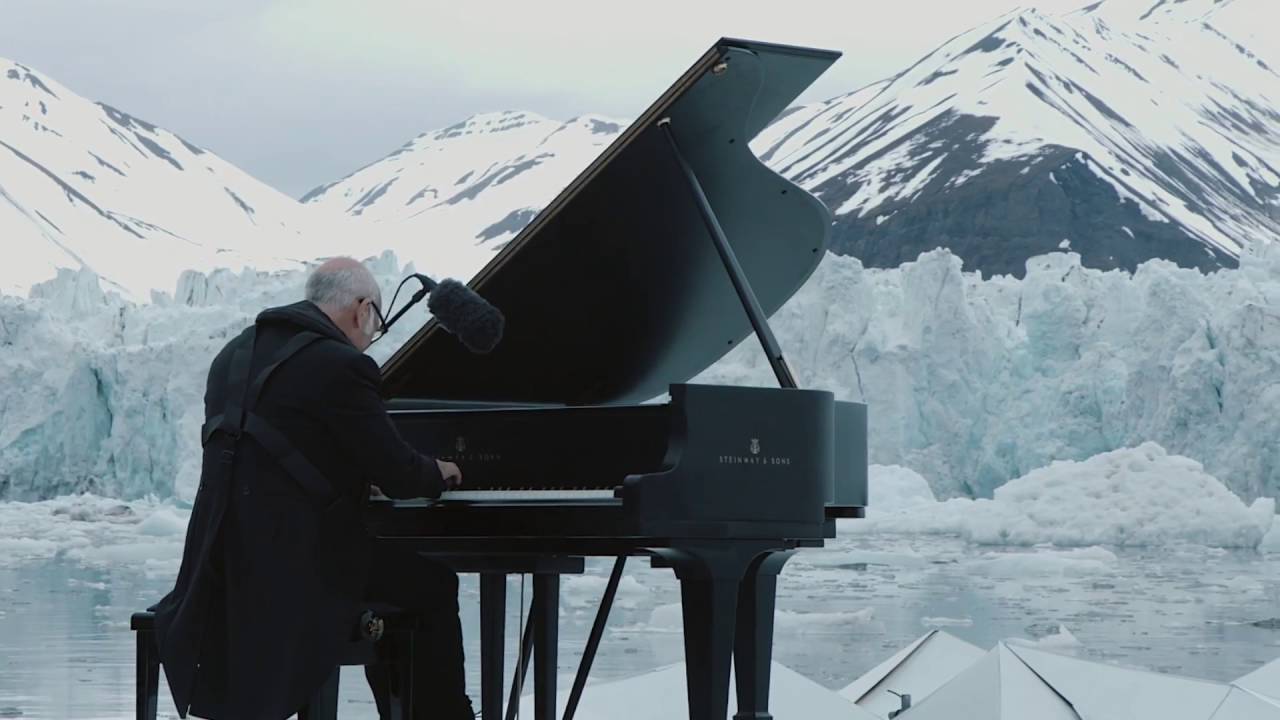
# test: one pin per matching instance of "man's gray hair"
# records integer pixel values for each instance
(339, 287)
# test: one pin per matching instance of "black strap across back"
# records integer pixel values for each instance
(238, 417)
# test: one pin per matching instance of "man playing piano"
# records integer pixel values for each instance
(277, 565)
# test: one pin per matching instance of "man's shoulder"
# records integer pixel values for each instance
(271, 338)
(339, 359)
(241, 340)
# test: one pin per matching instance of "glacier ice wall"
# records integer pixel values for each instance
(101, 395)
(975, 382)
(970, 382)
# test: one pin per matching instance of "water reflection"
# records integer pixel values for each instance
(66, 651)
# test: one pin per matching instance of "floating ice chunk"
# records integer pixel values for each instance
(894, 488)
(91, 530)
(1076, 561)
(939, 622)
(1271, 541)
(585, 591)
(665, 618)
(1134, 496)
(1129, 497)
(821, 623)
(164, 521)
(1060, 641)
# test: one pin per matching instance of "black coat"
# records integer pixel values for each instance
(272, 577)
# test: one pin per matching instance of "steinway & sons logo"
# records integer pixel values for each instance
(461, 455)
(754, 457)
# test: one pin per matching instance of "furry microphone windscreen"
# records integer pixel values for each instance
(476, 323)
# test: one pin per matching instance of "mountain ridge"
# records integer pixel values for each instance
(86, 185)
(1124, 130)
(1026, 134)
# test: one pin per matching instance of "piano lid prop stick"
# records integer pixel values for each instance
(745, 294)
(526, 652)
(593, 640)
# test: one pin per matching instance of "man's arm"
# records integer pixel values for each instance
(358, 419)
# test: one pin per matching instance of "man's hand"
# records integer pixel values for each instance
(450, 473)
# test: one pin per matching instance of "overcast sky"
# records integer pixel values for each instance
(301, 92)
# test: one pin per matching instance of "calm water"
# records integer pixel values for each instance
(66, 651)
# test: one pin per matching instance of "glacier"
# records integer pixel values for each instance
(971, 382)
(104, 395)
(974, 382)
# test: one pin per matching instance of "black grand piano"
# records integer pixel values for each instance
(670, 249)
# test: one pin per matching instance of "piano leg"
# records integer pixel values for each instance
(546, 640)
(493, 616)
(710, 576)
(753, 646)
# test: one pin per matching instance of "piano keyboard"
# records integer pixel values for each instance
(525, 495)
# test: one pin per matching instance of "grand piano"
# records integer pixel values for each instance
(579, 435)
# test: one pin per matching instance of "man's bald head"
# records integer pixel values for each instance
(348, 293)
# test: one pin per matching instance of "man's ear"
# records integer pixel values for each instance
(355, 316)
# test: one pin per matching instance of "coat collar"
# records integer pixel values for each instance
(305, 315)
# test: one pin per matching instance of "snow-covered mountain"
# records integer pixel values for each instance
(449, 198)
(83, 184)
(1126, 130)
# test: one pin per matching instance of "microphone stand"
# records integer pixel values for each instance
(427, 286)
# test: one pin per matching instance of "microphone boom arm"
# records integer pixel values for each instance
(427, 286)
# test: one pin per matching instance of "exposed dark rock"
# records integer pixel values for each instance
(158, 150)
(126, 120)
(514, 222)
(241, 203)
(1011, 211)
(371, 197)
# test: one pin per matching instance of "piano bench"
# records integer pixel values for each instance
(395, 648)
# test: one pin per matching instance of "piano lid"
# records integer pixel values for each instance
(615, 290)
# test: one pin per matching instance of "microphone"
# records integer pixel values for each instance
(477, 324)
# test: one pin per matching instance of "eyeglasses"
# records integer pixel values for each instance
(381, 330)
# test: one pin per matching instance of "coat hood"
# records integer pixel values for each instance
(305, 315)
